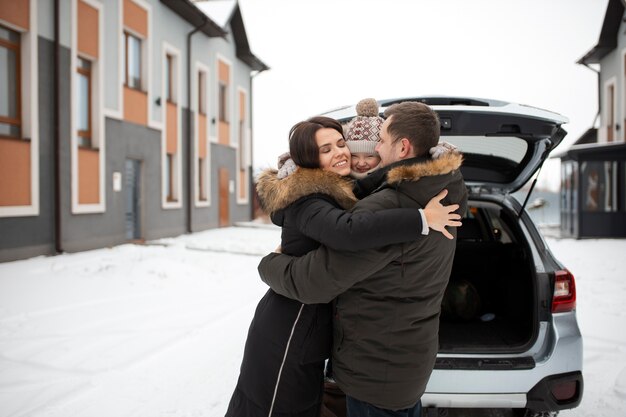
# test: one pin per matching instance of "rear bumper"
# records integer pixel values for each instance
(539, 398)
(558, 366)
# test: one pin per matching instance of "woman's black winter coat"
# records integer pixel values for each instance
(288, 342)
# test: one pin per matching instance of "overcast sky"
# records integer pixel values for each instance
(328, 53)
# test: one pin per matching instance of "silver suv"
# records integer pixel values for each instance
(508, 337)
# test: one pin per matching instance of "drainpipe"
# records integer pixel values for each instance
(189, 135)
(58, 247)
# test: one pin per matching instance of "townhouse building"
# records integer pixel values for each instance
(122, 121)
(593, 170)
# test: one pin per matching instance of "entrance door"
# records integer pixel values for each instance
(132, 220)
(224, 219)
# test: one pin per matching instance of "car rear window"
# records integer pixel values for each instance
(510, 148)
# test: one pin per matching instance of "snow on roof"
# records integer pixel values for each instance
(220, 11)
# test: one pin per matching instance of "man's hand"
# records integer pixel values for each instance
(439, 216)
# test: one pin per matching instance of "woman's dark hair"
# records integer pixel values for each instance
(302, 145)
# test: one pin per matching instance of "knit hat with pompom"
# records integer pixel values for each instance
(362, 132)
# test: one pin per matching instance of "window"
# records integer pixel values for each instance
(599, 186)
(223, 103)
(10, 112)
(611, 113)
(133, 61)
(242, 136)
(202, 92)
(169, 177)
(202, 179)
(169, 78)
(83, 102)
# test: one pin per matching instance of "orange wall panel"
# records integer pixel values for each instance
(136, 18)
(16, 12)
(87, 29)
(88, 176)
(223, 71)
(202, 151)
(135, 106)
(172, 128)
(14, 172)
(223, 135)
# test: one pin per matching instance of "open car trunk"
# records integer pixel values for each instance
(489, 304)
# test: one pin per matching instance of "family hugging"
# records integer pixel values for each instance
(357, 282)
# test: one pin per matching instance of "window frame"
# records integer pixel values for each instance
(86, 136)
(610, 113)
(128, 35)
(18, 99)
(608, 132)
(222, 111)
(241, 142)
(243, 145)
(169, 169)
(202, 96)
(170, 91)
(202, 192)
(28, 107)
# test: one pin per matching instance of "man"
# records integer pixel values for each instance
(388, 299)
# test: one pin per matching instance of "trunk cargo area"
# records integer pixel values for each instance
(489, 304)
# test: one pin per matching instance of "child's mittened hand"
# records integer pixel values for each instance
(441, 149)
(287, 169)
(286, 166)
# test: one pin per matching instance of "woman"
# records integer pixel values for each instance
(288, 342)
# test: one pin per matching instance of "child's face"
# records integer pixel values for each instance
(364, 162)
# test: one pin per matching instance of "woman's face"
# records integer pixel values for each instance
(364, 162)
(334, 154)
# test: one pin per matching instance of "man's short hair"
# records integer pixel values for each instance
(415, 121)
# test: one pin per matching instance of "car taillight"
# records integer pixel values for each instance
(564, 298)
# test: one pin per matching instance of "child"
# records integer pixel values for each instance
(362, 134)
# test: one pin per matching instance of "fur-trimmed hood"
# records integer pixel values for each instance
(446, 164)
(276, 194)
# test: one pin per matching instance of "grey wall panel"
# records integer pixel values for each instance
(204, 218)
(45, 19)
(127, 140)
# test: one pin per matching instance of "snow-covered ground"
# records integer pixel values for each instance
(158, 330)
